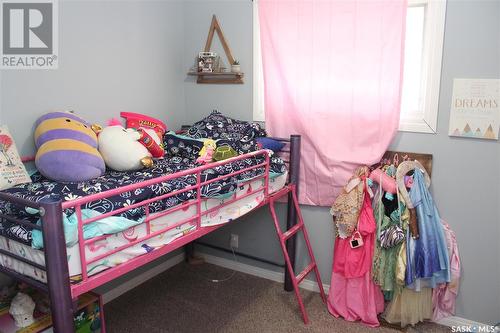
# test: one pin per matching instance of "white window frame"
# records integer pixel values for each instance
(426, 120)
(423, 122)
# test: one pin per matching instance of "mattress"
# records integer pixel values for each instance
(218, 216)
(42, 188)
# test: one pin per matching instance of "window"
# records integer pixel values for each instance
(422, 70)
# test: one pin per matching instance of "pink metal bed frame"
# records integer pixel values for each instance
(91, 282)
(63, 293)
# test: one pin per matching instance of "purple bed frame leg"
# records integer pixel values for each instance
(57, 266)
(291, 219)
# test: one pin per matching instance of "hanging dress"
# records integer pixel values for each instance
(407, 307)
(385, 260)
(445, 294)
(353, 295)
(428, 262)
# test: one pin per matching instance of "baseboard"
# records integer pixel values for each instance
(306, 284)
(134, 282)
(459, 321)
(259, 272)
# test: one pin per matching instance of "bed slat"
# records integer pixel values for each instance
(32, 282)
(20, 222)
(29, 262)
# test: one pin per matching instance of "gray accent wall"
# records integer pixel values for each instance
(114, 56)
(235, 18)
(466, 172)
(133, 56)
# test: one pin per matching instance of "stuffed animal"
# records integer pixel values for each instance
(122, 150)
(66, 148)
(207, 152)
(224, 152)
(21, 308)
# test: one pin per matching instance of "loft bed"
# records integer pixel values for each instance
(65, 272)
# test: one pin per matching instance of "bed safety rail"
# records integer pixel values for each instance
(87, 282)
(90, 282)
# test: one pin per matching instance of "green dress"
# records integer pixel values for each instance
(385, 260)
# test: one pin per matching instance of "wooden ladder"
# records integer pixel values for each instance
(284, 236)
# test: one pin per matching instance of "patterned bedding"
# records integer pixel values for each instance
(225, 214)
(180, 154)
(43, 188)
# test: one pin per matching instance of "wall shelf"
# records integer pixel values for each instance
(218, 77)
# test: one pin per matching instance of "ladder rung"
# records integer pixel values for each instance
(304, 273)
(280, 193)
(292, 231)
(289, 269)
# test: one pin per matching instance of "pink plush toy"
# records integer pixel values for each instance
(388, 183)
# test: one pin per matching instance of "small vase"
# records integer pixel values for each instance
(235, 68)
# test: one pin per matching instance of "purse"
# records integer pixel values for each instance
(356, 240)
(391, 236)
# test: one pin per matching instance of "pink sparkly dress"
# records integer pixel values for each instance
(353, 295)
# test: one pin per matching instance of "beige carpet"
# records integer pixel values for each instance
(184, 300)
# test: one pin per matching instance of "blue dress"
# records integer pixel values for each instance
(428, 261)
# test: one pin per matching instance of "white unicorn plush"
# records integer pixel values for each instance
(121, 150)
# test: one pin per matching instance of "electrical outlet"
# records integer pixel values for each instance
(233, 242)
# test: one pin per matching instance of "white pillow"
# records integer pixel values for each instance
(12, 170)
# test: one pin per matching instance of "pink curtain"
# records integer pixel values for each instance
(333, 73)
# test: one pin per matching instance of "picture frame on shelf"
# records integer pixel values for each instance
(207, 62)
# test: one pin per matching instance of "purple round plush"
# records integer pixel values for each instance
(65, 133)
(60, 114)
(71, 165)
(67, 148)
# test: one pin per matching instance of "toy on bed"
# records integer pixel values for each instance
(121, 148)
(207, 152)
(151, 130)
(223, 153)
(66, 148)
